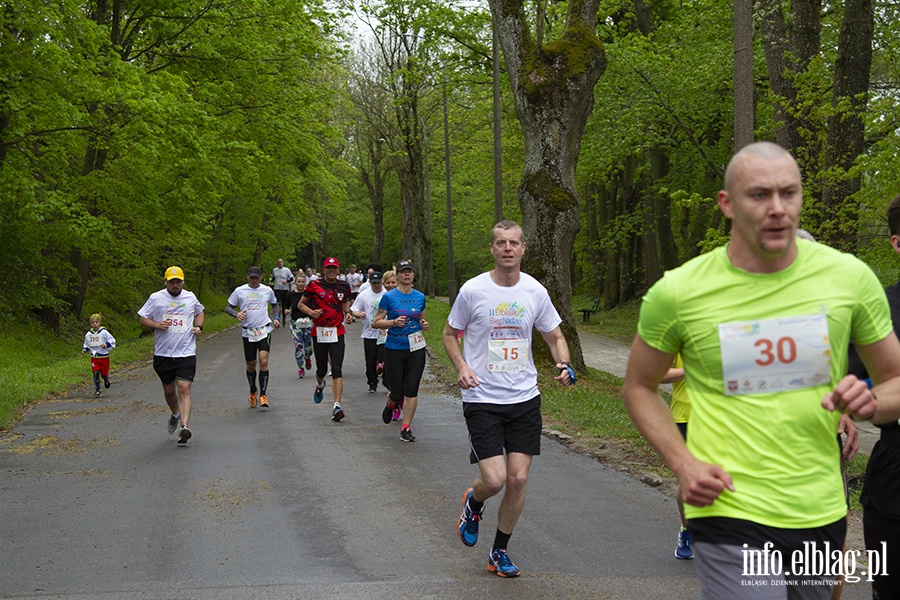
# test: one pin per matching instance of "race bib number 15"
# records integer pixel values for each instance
(507, 355)
(774, 355)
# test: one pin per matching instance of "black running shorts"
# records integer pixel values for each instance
(252, 348)
(169, 369)
(494, 428)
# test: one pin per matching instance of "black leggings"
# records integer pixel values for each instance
(404, 370)
(323, 351)
(876, 530)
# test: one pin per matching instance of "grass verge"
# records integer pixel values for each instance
(31, 371)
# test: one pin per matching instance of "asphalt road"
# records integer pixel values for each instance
(100, 502)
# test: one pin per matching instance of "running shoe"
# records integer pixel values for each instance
(301, 373)
(379, 368)
(97, 394)
(683, 550)
(184, 435)
(406, 435)
(263, 401)
(396, 415)
(386, 414)
(308, 364)
(173, 424)
(318, 395)
(337, 413)
(373, 387)
(252, 399)
(500, 563)
(106, 383)
(468, 521)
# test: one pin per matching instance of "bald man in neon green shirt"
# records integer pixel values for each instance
(762, 325)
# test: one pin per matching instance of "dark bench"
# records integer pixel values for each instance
(587, 312)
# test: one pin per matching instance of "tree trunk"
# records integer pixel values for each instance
(743, 73)
(594, 273)
(668, 248)
(374, 182)
(606, 211)
(553, 89)
(846, 131)
(789, 47)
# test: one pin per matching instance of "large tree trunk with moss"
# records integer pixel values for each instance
(553, 87)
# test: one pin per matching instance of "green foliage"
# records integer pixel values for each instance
(203, 141)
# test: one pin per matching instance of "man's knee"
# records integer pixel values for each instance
(493, 475)
(516, 481)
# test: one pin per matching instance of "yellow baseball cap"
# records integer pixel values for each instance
(174, 273)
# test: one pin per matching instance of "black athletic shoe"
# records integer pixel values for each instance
(386, 414)
(184, 435)
(407, 436)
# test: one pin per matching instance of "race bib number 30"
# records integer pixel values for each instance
(775, 355)
(507, 355)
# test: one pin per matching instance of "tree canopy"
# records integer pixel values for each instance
(219, 134)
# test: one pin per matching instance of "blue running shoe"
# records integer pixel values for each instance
(318, 395)
(683, 551)
(500, 563)
(468, 521)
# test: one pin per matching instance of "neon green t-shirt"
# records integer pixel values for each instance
(681, 402)
(742, 335)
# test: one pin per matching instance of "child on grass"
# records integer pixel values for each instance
(98, 341)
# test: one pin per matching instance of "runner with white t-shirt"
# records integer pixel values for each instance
(176, 316)
(501, 403)
(252, 301)
(364, 308)
(282, 278)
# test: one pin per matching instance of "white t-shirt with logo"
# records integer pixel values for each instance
(177, 341)
(498, 322)
(366, 303)
(255, 302)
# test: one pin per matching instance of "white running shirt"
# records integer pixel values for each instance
(498, 323)
(366, 303)
(161, 305)
(255, 302)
